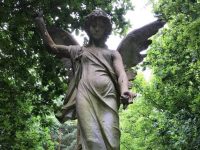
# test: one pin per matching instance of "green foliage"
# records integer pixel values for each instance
(31, 80)
(140, 123)
(64, 135)
(166, 116)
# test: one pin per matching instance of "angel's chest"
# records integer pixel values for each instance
(96, 56)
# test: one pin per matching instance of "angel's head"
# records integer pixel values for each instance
(98, 25)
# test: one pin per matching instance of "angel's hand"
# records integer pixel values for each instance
(39, 21)
(127, 98)
(38, 16)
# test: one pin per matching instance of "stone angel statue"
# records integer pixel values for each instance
(99, 83)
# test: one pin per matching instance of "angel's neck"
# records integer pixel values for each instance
(99, 43)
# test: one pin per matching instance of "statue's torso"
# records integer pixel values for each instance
(93, 72)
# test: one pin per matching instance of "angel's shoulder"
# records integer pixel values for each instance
(114, 53)
(74, 50)
(110, 51)
(75, 47)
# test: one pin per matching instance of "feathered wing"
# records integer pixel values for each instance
(135, 42)
(62, 37)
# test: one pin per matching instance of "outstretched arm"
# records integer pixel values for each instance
(60, 50)
(126, 95)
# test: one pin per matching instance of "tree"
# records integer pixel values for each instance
(32, 82)
(172, 98)
(64, 135)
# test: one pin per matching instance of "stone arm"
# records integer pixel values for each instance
(126, 95)
(60, 50)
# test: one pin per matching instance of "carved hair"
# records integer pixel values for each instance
(98, 13)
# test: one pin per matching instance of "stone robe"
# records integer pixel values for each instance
(93, 98)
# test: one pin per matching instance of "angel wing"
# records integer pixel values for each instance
(137, 41)
(63, 37)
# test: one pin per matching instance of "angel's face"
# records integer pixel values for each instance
(97, 29)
